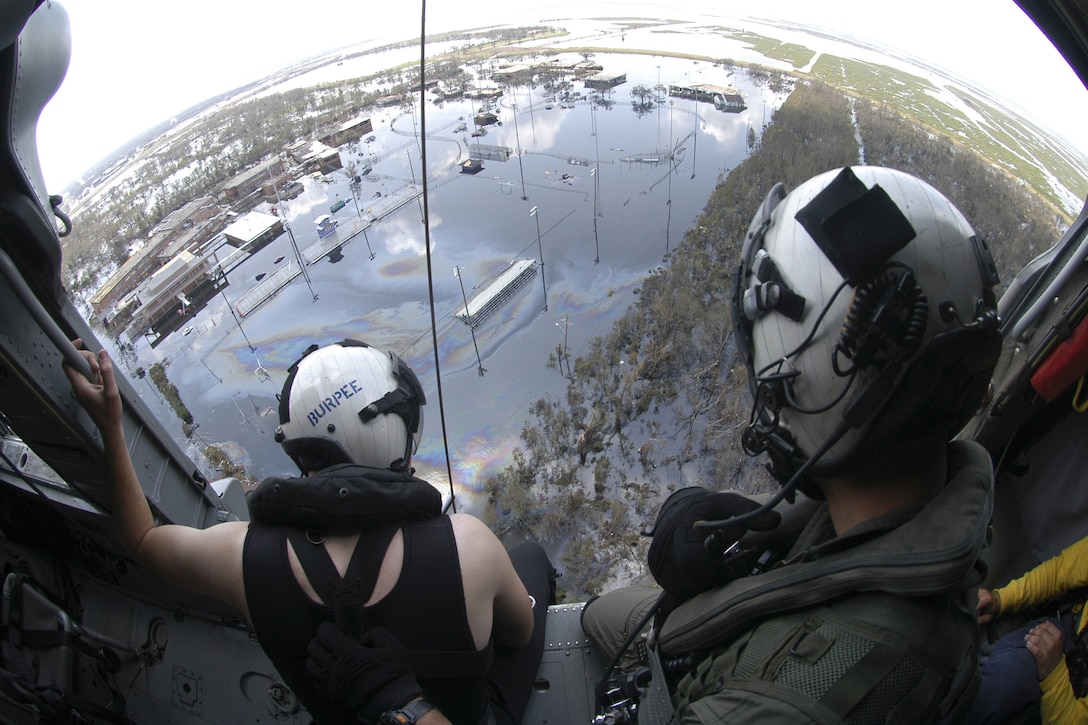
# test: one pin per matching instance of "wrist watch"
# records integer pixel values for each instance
(406, 714)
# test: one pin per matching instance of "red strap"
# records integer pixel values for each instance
(1064, 366)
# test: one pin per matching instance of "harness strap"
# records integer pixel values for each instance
(920, 697)
(656, 707)
(366, 561)
(362, 570)
(316, 562)
(862, 677)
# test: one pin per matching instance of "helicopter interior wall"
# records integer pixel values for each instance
(1038, 512)
(1028, 526)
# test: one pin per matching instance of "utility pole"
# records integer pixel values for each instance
(540, 249)
(470, 322)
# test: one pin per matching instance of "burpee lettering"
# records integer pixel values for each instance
(328, 404)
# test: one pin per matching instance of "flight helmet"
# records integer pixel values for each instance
(864, 312)
(349, 402)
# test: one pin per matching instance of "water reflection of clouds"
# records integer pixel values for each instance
(402, 232)
(544, 128)
(442, 158)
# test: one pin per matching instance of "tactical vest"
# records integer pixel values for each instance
(876, 625)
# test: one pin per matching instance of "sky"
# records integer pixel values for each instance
(137, 63)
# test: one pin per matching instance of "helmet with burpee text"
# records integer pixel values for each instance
(349, 402)
(864, 311)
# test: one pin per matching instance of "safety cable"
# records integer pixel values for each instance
(427, 238)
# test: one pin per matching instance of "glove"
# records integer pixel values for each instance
(678, 557)
(370, 676)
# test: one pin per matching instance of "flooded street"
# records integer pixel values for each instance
(229, 369)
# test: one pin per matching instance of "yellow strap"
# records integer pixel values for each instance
(1079, 407)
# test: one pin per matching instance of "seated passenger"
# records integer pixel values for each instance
(1045, 662)
(445, 586)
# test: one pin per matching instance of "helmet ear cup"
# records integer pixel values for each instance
(941, 390)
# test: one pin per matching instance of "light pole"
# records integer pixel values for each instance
(672, 169)
(298, 256)
(524, 196)
(596, 240)
(566, 326)
(695, 108)
(205, 364)
(540, 249)
(468, 320)
(657, 97)
(367, 238)
(235, 316)
(294, 245)
(532, 121)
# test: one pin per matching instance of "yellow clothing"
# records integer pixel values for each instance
(1066, 571)
(1059, 704)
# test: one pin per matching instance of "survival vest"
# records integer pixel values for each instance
(849, 628)
(377, 502)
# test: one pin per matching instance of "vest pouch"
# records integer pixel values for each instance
(826, 666)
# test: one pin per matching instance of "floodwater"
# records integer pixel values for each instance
(229, 370)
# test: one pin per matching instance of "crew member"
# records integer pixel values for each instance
(864, 313)
(378, 558)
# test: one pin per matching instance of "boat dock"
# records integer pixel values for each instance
(496, 291)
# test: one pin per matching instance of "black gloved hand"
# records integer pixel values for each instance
(678, 557)
(371, 676)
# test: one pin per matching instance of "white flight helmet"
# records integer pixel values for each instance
(350, 403)
(863, 308)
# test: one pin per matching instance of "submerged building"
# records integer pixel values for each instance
(603, 81)
(254, 231)
(173, 294)
(724, 98)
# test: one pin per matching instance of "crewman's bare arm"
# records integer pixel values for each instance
(484, 559)
(181, 555)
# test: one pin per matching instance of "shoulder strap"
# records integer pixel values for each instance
(366, 561)
(315, 561)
